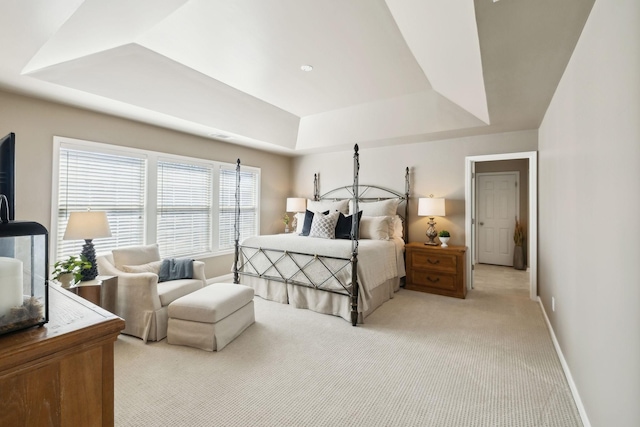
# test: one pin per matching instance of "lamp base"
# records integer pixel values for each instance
(432, 233)
(89, 254)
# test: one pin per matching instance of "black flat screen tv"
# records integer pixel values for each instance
(7, 172)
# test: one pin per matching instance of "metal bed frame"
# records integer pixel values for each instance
(332, 266)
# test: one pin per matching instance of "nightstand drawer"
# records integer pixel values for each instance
(434, 261)
(422, 280)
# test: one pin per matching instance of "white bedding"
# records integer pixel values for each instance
(379, 261)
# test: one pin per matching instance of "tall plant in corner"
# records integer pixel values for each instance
(518, 252)
(518, 234)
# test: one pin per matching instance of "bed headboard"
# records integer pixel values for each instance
(370, 193)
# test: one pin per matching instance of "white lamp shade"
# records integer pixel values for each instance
(431, 206)
(296, 204)
(87, 226)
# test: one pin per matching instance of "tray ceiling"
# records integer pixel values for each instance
(384, 72)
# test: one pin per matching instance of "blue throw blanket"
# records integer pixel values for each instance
(175, 269)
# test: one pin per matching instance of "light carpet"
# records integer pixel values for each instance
(419, 360)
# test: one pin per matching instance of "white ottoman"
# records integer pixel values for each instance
(211, 317)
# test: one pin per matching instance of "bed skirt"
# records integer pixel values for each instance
(322, 301)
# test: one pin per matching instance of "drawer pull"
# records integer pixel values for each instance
(432, 280)
(431, 261)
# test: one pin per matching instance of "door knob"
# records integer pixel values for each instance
(482, 223)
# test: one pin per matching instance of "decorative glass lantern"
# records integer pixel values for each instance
(24, 286)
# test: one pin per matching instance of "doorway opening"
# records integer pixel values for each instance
(526, 211)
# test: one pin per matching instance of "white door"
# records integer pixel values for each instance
(497, 202)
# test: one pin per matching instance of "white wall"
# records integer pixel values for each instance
(437, 167)
(589, 201)
(35, 123)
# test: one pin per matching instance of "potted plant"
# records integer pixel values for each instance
(285, 219)
(444, 238)
(69, 271)
(518, 251)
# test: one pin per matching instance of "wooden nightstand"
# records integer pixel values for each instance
(436, 270)
(102, 291)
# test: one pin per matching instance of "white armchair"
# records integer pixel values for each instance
(142, 302)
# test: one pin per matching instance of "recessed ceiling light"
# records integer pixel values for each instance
(306, 68)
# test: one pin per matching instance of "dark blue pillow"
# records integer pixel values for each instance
(343, 227)
(308, 219)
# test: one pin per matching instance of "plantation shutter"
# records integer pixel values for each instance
(248, 205)
(184, 208)
(103, 182)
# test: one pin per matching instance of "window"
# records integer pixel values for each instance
(184, 208)
(87, 180)
(186, 205)
(248, 205)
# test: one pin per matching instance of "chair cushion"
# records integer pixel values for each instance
(174, 289)
(211, 303)
(135, 255)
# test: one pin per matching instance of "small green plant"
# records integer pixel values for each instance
(73, 265)
(518, 234)
(285, 219)
(444, 233)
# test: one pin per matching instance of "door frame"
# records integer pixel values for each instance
(475, 212)
(469, 215)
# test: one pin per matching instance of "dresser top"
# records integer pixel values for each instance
(421, 245)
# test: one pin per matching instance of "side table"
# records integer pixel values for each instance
(102, 291)
(436, 270)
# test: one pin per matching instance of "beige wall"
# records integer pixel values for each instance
(437, 167)
(589, 200)
(36, 122)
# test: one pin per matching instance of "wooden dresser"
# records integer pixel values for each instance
(60, 374)
(436, 269)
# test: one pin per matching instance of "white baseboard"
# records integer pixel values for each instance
(227, 278)
(565, 368)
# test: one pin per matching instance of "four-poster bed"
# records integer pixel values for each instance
(349, 276)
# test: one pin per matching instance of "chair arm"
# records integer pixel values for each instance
(139, 289)
(198, 272)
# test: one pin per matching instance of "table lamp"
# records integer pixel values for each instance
(295, 205)
(87, 226)
(431, 207)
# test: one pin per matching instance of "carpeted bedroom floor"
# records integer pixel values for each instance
(419, 360)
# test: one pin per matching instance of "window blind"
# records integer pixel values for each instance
(103, 182)
(248, 205)
(184, 214)
(185, 205)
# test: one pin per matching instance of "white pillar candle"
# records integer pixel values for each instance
(10, 284)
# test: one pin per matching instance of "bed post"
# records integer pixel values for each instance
(406, 205)
(316, 188)
(236, 226)
(355, 235)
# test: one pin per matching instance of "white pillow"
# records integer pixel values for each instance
(375, 227)
(396, 227)
(381, 208)
(325, 205)
(324, 226)
(300, 224)
(152, 267)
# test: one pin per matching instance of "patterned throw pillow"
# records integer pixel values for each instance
(324, 226)
(308, 220)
